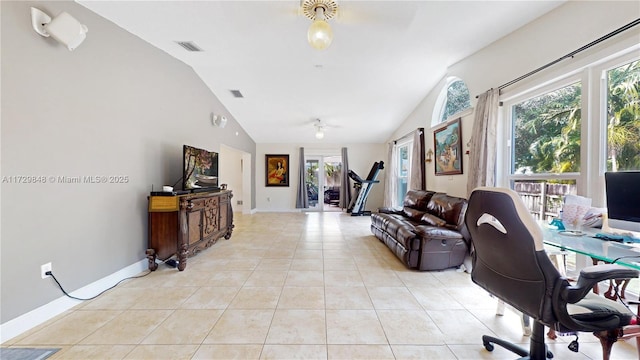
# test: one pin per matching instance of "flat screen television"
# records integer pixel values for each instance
(200, 168)
(623, 201)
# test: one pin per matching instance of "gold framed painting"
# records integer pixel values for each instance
(276, 170)
(448, 149)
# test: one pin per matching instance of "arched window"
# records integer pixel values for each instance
(453, 99)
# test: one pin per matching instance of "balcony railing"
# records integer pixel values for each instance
(543, 199)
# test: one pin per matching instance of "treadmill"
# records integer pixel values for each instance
(363, 187)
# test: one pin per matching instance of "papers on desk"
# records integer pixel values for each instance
(593, 217)
(577, 211)
(574, 210)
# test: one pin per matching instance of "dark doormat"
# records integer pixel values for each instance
(26, 353)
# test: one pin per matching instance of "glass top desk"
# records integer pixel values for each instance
(587, 244)
(600, 249)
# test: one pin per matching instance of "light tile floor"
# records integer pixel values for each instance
(295, 285)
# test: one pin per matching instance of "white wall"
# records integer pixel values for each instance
(361, 158)
(548, 38)
(230, 173)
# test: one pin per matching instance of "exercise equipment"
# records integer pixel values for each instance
(363, 187)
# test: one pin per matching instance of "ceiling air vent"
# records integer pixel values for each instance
(189, 45)
(236, 93)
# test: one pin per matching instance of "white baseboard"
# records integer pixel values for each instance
(278, 210)
(19, 325)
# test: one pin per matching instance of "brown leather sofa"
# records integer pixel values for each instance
(429, 232)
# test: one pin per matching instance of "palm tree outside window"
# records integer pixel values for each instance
(623, 117)
(546, 138)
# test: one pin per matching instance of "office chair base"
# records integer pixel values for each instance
(537, 348)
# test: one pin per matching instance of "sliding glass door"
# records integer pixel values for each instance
(322, 177)
(312, 180)
(332, 177)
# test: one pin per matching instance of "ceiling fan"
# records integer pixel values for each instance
(319, 12)
(310, 8)
(321, 127)
(378, 13)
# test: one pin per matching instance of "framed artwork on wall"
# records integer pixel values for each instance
(448, 149)
(276, 170)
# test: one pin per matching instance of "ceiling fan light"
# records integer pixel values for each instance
(319, 34)
(319, 129)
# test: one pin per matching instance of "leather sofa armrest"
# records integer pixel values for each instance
(388, 210)
(592, 275)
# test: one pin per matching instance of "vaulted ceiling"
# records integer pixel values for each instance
(385, 57)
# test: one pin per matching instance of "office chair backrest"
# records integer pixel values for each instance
(509, 259)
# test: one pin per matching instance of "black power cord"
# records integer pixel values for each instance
(93, 297)
(625, 257)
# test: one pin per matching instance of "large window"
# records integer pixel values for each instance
(546, 137)
(623, 117)
(403, 159)
(560, 136)
(546, 132)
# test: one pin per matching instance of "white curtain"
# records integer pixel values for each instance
(345, 183)
(483, 148)
(417, 176)
(390, 177)
(302, 201)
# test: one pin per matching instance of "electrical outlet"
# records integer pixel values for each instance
(239, 202)
(43, 269)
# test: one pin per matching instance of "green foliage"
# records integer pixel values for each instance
(547, 132)
(332, 173)
(623, 115)
(458, 99)
(547, 128)
(311, 172)
(331, 169)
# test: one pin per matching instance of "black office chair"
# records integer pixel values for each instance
(509, 262)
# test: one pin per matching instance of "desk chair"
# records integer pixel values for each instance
(558, 258)
(509, 262)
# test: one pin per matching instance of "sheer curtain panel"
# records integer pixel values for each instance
(417, 176)
(483, 148)
(390, 177)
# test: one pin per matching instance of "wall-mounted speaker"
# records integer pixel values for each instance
(218, 120)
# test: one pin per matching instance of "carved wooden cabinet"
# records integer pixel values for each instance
(186, 224)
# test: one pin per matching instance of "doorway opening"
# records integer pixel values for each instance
(323, 175)
(235, 171)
